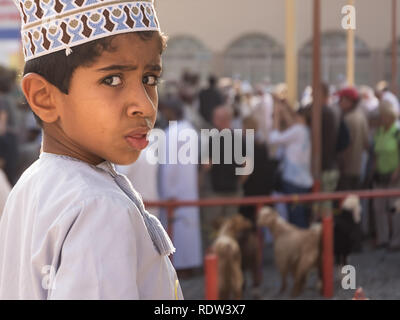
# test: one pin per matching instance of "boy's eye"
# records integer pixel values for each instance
(113, 81)
(150, 80)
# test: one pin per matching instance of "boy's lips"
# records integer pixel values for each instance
(137, 138)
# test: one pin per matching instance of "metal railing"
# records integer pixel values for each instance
(210, 264)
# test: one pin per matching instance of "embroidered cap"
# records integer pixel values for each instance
(53, 25)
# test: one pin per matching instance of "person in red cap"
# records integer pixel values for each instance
(350, 160)
(350, 94)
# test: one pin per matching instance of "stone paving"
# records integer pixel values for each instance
(377, 272)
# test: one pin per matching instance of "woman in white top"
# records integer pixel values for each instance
(296, 169)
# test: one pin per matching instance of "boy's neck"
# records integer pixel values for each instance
(54, 142)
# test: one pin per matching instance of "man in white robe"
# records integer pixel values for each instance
(179, 181)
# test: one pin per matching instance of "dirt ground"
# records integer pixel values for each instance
(377, 272)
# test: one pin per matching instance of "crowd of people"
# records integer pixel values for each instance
(360, 149)
(359, 139)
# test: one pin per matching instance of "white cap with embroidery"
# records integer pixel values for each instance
(53, 25)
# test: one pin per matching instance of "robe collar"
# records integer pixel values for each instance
(105, 165)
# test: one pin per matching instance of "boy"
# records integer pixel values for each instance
(73, 228)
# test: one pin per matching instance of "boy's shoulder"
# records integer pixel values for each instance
(59, 181)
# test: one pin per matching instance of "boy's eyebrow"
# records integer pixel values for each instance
(129, 67)
(119, 67)
(153, 67)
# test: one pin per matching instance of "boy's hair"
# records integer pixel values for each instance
(57, 68)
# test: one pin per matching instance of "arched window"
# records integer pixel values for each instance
(255, 57)
(388, 64)
(185, 53)
(334, 60)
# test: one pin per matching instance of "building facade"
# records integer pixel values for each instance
(246, 39)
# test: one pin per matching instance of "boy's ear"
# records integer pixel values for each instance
(41, 97)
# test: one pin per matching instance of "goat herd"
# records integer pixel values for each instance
(296, 251)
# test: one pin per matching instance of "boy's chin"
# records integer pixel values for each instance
(127, 159)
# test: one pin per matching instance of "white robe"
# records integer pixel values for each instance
(180, 181)
(69, 232)
(263, 115)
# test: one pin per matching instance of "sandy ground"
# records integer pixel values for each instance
(377, 272)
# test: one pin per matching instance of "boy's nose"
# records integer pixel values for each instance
(142, 104)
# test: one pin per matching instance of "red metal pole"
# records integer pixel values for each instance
(316, 106)
(260, 248)
(327, 223)
(211, 276)
(268, 200)
(327, 256)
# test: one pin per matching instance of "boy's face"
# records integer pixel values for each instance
(112, 104)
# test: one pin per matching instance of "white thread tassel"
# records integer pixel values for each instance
(158, 235)
(68, 51)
